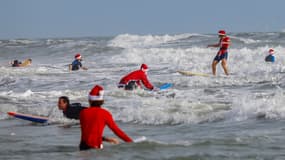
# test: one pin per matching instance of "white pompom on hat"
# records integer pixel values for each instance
(96, 94)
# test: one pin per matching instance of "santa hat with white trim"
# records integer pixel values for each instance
(222, 32)
(96, 94)
(144, 67)
(271, 51)
(77, 56)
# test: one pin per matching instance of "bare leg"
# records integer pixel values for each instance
(224, 65)
(214, 64)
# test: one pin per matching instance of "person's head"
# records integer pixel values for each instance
(78, 56)
(30, 60)
(144, 67)
(16, 62)
(222, 33)
(63, 103)
(96, 96)
(271, 51)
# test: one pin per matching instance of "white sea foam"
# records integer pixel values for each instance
(142, 41)
(192, 99)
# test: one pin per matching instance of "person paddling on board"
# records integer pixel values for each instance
(72, 111)
(76, 64)
(270, 57)
(222, 54)
(17, 63)
(133, 80)
(94, 119)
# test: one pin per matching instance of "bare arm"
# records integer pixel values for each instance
(111, 140)
(213, 45)
(69, 67)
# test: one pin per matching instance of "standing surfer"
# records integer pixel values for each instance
(222, 54)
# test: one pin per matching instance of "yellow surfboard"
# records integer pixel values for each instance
(26, 62)
(188, 73)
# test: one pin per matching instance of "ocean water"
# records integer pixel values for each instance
(240, 116)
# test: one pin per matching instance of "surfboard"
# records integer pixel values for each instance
(28, 117)
(165, 86)
(26, 63)
(140, 139)
(188, 73)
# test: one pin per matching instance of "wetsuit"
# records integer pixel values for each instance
(223, 51)
(270, 58)
(76, 65)
(73, 110)
(92, 121)
(133, 79)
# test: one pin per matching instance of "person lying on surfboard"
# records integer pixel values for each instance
(72, 111)
(76, 64)
(133, 80)
(17, 63)
(222, 54)
(94, 119)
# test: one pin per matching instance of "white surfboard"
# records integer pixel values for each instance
(188, 73)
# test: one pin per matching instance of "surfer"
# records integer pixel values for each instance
(72, 111)
(222, 54)
(76, 64)
(17, 63)
(133, 80)
(94, 119)
(270, 57)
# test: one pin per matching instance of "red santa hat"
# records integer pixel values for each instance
(144, 67)
(96, 94)
(222, 32)
(271, 51)
(77, 56)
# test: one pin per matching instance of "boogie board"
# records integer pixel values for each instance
(26, 63)
(188, 73)
(28, 117)
(165, 86)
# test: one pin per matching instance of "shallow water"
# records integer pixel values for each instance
(235, 117)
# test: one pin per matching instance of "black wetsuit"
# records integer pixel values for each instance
(76, 65)
(16, 63)
(73, 110)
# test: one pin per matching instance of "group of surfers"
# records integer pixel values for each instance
(222, 55)
(94, 118)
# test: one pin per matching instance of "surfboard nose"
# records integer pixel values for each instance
(11, 113)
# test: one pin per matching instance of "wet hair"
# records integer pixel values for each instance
(16, 63)
(65, 99)
(30, 59)
(96, 103)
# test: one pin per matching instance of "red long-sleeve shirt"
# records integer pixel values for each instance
(93, 121)
(137, 76)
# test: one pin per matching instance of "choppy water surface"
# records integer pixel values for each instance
(235, 117)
